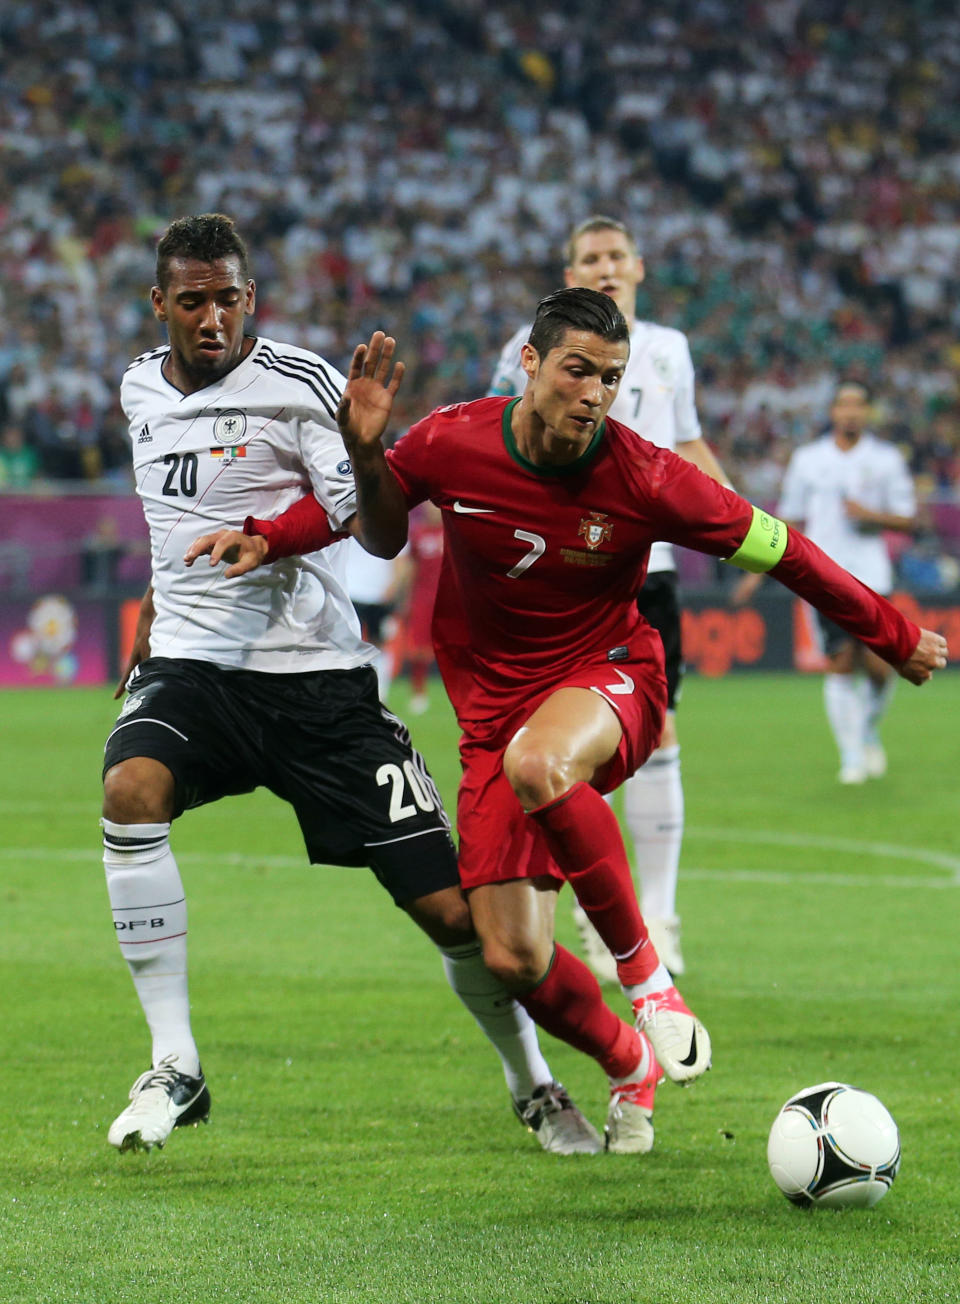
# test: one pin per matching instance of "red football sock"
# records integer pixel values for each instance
(568, 1004)
(584, 839)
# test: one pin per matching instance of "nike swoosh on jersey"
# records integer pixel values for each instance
(463, 510)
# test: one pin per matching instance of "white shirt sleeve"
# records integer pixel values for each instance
(329, 469)
(684, 403)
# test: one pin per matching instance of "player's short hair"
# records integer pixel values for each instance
(578, 309)
(596, 223)
(206, 237)
(853, 383)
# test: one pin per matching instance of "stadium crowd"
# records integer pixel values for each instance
(791, 169)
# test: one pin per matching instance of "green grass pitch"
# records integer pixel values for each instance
(361, 1147)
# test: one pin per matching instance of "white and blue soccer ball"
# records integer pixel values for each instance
(834, 1145)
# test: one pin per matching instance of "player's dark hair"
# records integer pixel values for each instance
(598, 222)
(576, 309)
(206, 237)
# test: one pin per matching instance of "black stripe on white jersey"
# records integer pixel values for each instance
(146, 357)
(312, 376)
(318, 369)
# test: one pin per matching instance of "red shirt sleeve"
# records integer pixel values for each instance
(693, 510)
(302, 528)
(412, 458)
(809, 572)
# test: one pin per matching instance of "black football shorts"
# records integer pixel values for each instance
(321, 740)
(658, 605)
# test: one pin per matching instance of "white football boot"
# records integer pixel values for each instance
(160, 1100)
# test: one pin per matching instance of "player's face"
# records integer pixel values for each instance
(607, 261)
(204, 306)
(850, 411)
(571, 387)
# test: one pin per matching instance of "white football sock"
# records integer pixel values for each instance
(846, 713)
(878, 697)
(150, 918)
(653, 811)
(503, 1020)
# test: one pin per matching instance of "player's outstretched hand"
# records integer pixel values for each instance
(243, 552)
(372, 383)
(929, 655)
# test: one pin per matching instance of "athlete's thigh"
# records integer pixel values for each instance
(183, 714)
(362, 793)
(634, 688)
(575, 728)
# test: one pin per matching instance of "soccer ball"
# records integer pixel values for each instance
(834, 1145)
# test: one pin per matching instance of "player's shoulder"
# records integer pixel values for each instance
(621, 437)
(146, 365)
(876, 447)
(508, 374)
(816, 451)
(452, 418)
(667, 338)
(142, 381)
(299, 370)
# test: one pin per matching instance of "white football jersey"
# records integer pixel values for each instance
(249, 445)
(656, 395)
(821, 477)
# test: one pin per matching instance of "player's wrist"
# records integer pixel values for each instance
(261, 533)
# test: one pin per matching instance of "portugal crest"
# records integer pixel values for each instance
(596, 529)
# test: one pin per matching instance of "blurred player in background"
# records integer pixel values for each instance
(372, 588)
(656, 399)
(265, 680)
(550, 510)
(846, 489)
(419, 575)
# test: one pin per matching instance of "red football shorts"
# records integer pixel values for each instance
(497, 840)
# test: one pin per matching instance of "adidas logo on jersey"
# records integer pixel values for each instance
(144, 436)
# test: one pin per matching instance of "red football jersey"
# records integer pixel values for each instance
(542, 564)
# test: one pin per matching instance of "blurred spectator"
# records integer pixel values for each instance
(102, 553)
(19, 463)
(791, 169)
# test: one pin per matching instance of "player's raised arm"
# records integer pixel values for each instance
(372, 383)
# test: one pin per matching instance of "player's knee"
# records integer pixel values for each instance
(536, 774)
(138, 791)
(517, 963)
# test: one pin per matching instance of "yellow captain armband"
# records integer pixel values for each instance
(764, 544)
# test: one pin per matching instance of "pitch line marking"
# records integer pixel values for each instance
(822, 842)
(784, 878)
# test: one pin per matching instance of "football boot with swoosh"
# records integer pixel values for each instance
(680, 1041)
(160, 1100)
